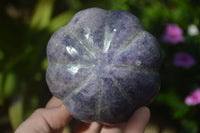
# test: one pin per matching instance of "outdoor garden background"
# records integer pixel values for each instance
(26, 26)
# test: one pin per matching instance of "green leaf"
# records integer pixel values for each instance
(190, 125)
(1, 84)
(60, 20)
(38, 76)
(10, 84)
(119, 5)
(74, 4)
(1, 89)
(42, 14)
(31, 105)
(15, 112)
(44, 64)
(178, 107)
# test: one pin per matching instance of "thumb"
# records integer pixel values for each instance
(46, 120)
(138, 121)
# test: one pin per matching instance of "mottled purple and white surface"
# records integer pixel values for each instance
(103, 65)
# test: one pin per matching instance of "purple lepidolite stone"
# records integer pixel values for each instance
(103, 65)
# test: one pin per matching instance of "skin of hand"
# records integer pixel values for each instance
(54, 117)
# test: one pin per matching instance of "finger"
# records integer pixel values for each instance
(53, 102)
(138, 121)
(113, 129)
(82, 127)
(46, 121)
(56, 118)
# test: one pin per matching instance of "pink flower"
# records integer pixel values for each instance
(173, 34)
(193, 98)
(184, 60)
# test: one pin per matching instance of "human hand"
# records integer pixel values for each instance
(54, 117)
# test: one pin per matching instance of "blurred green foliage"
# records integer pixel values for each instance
(26, 27)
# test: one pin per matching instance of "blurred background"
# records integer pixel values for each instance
(26, 26)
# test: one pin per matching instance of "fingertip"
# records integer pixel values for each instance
(53, 102)
(143, 110)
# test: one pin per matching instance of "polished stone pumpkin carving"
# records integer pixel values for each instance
(103, 65)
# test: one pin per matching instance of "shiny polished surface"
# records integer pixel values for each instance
(103, 63)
